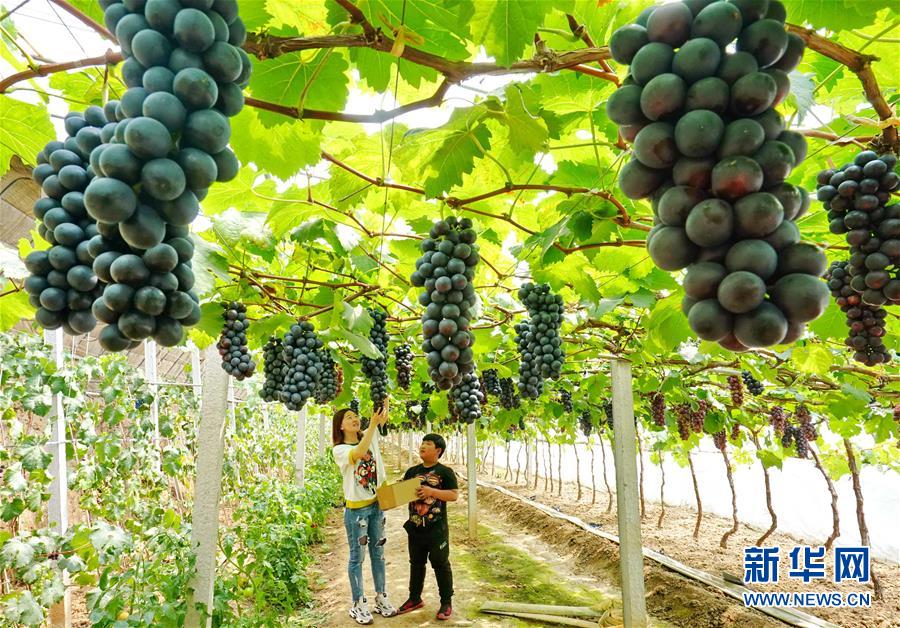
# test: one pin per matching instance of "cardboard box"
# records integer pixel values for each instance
(397, 494)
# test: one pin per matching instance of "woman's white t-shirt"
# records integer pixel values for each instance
(363, 476)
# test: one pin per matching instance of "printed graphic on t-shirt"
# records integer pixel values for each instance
(424, 511)
(367, 472)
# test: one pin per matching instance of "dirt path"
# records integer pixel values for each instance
(507, 562)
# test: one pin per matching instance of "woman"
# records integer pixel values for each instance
(359, 458)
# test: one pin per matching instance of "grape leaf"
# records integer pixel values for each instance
(506, 27)
(24, 130)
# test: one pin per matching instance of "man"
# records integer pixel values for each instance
(427, 526)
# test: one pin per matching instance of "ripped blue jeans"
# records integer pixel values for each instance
(365, 528)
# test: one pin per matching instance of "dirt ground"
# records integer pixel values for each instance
(675, 539)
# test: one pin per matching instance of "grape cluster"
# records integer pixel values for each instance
(698, 416)
(304, 363)
(737, 391)
(797, 437)
(509, 397)
(538, 340)
(411, 416)
(856, 197)
(232, 345)
(607, 408)
(354, 405)
(720, 440)
(735, 432)
(274, 369)
(586, 422)
(658, 408)
(683, 420)
(866, 322)
(62, 285)
(403, 358)
(375, 369)
(713, 153)
(154, 162)
(777, 419)
(446, 270)
(804, 418)
(896, 412)
(492, 382)
(753, 385)
(565, 398)
(466, 398)
(329, 385)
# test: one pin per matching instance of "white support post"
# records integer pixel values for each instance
(195, 368)
(472, 479)
(409, 452)
(300, 451)
(208, 487)
(323, 435)
(152, 383)
(58, 508)
(631, 559)
(232, 419)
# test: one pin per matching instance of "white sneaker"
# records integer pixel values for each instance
(360, 612)
(383, 606)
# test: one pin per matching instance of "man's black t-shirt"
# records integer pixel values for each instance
(429, 514)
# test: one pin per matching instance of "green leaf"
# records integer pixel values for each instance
(454, 157)
(769, 459)
(506, 27)
(16, 553)
(360, 343)
(282, 149)
(527, 132)
(26, 129)
(14, 308)
(284, 80)
(260, 330)
(812, 358)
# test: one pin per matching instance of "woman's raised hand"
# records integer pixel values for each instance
(381, 415)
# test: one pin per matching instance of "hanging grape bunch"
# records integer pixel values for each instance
(232, 345)
(303, 358)
(683, 420)
(737, 391)
(735, 432)
(753, 385)
(866, 322)
(403, 358)
(62, 285)
(375, 369)
(427, 389)
(274, 369)
(698, 416)
(795, 436)
(777, 419)
(491, 383)
(720, 440)
(328, 386)
(411, 406)
(713, 153)
(509, 398)
(466, 398)
(446, 270)
(658, 408)
(856, 197)
(586, 422)
(565, 398)
(804, 418)
(167, 144)
(607, 408)
(354, 405)
(537, 338)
